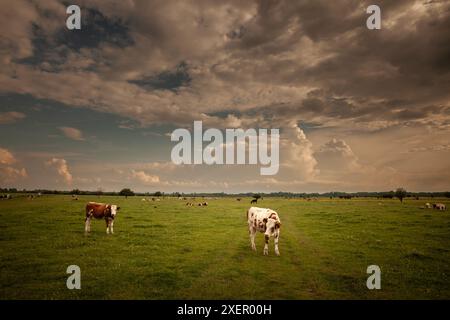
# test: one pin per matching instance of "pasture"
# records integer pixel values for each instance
(165, 250)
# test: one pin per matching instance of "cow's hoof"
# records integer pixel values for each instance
(277, 253)
(266, 253)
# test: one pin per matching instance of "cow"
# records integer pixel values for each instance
(266, 221)
(428, 205)
(254, 201)
(101, 211)
(439, 206)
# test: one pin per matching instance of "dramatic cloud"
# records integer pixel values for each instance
(9, 174)
(310, 68)
(61, 168)
(337, 155)
(6, 157)
(72, 133)
(145, 178)
(296, 153)
(10, 117)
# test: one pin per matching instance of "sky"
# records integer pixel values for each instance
(93, 109)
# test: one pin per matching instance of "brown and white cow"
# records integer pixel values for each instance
(439, 206)
(101, 211)
(266, 221)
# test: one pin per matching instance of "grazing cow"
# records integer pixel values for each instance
(254, 201)
(265, 221)
(101, 211)
(439, 206)
(428, 205)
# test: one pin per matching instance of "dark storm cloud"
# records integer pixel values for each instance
(167, 80)
(408, 60)
(287, 50)
(52, 50)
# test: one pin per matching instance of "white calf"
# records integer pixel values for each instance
(265, 221)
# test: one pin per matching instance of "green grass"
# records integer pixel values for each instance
(165, 250)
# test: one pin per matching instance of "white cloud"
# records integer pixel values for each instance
(337, 155)
(62, 168)
(10, 174)
(296, 154)
(7, 173)
(72, 133)
(144, 177)
(6, 157)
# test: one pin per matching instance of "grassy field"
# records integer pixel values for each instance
(165, 250)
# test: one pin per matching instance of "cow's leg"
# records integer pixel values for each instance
(107, 225)
(87, 224)
(111, 226)
(277, 236)
(252, 238)
(266, 245)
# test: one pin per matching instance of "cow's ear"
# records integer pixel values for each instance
(265, 220)
(277, 224)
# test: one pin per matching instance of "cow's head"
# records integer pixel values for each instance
(114, 210)
(272, 225)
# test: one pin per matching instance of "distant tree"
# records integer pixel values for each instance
(447, 194)
(257, 196)
(158, 194)
(126, 192)
(75, 191)
(400, 193)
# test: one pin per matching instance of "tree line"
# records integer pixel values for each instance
(400, 193)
